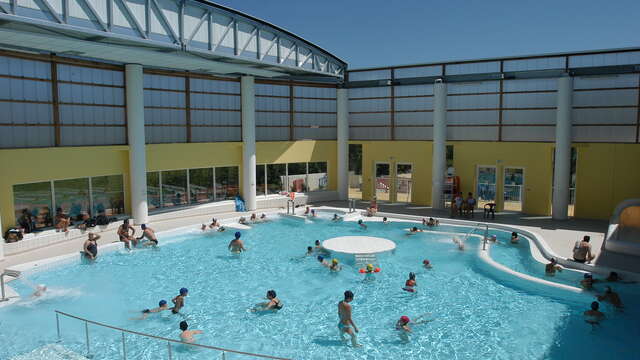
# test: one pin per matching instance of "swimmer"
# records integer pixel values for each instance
(410, 283)
(336, 217)
(203, 227)
(459, 242)
(253, 218)
(178, 301)
(214, 223)
(162, 306)
(369, 269)
(414, 230)
(149, 234)
(313, 213)
(273, 304)
(243, 221)
(323, 262)
(551, 268)
(263, 217)
(187, 335)
(124, 235)
(40, 290)
(614, 277)
(431, 223)
(90, 246)
(362, 224)
(335, 266)
(587, 282)
(594, 316)
(307, 210)
(318, 247)
(515, 238)
(385, 220)
(427, 264)
(346, 324)
(402, 325)
(221, 229)
(611, 297)
(236, 245)
(309, 251)
(493, 239)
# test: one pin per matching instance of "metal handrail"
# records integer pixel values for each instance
(168, 340)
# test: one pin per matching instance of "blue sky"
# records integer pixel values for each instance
(368, 33)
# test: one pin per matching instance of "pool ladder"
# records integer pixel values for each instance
(291, 207)
(364, 259)
(485, 237)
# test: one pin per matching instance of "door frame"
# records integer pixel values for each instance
(477, 172)
(524, 182)
(396, 179)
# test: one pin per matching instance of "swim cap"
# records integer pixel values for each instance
(405, 319)
(335, 261)
(184, 291)
(369, 266)
(238, 234)
(320, 258)
(426, 262)
(587, 275)
(162, 303)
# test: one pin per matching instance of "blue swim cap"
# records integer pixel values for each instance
(184, 291)
(238, 234)
(320, 258)
(162, 303)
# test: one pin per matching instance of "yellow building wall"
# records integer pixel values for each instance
(606, 174)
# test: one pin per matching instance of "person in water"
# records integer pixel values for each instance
(162, 306)
(126, 237)
(214, 223)
(551, 268)
(319, 249)
(431, 223)
(402, 325)
(611, 297)
(253, 218)
(414, 230)
(236, 245)
(309, 251)
(385, 220)
(459, 242)
(369, 269)
(187, 335)
(243, 221)
(149, 234)
(582, 250)
(614, 277)
(263, 217)
(594, 316)
(346, 324)
(515, 238)
(307, 210)
(90, 246)
(587, 282)
(493, 239)
(410, 283)
(335, 266)
(273, 304)
(178, 301)
(336, 218)
(40, 290)
(362, 224)
(427, 264)
(323, 262)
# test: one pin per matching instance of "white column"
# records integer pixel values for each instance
(439, 161)
(135, 132)
(342, 104)
(247, 91)
(562, 167)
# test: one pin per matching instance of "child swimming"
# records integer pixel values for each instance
(410, 283)
(162, 306)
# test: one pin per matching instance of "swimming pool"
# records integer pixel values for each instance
(475, 315)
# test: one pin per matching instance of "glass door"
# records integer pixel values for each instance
(355, 171)
(382, 181)
(513, 185)
(486, 185)
(404, 183)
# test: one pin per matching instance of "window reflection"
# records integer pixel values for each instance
(153, 190)
(260, 180)
(276, 178)
(226, 182)
(297, 177)
(32, 205)
(174, 188)
(108, 195)
(201, 185)
(317, 178)
(72, 197)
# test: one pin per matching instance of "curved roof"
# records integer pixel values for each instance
(194, 35)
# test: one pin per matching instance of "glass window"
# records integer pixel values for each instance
(108, 195)
(317, 178)
(260, 180)
(153, 190)
(276, 176)
(297, 177)
(449, 156)
(355, 171)
(226, 182)
(32, 204)
(72, 197)
(174, 188)
(382, 183)
(404, 182)
(201, 185)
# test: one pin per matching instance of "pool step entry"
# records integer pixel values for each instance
(364, 259)
(50, 352)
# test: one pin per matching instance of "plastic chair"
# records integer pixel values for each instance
(489, 209)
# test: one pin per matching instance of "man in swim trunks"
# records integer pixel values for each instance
(346, 324)
(162, 306)
(236, 245)
(582, 251)
(612, 297)
(125, 237)
(551, 268)
(178, 301)
(594, 316)
(150, 234)
(90, 246)
(187, 335)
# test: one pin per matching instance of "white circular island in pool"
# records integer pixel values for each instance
(359, 245)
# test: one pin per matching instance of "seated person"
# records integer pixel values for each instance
(149, 234)
(313, 213)
(62, 221)
(214, 223)
(86, 222)
(273, 304)
(125, 234)
(470, 204)
(26, 221)
(582, 250)
(431, 223)
(253, 218)
(12, 235)
(243, 221)
(551, 268)
(373, 207)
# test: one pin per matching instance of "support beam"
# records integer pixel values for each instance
(439, 160)
(135, 131)
(248, 99)
(342, 103)
(562, 165)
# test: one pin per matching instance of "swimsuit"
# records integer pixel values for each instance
(93, 249)
(342, 326)
(146, 311)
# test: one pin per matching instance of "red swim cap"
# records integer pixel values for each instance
(405, 319)
(425, 261)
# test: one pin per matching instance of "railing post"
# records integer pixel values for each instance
(86, 333)
(169, 348)
(58, 326)
(124, 347)
(223, 356)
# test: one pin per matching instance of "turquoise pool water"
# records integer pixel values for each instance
(476, 313)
